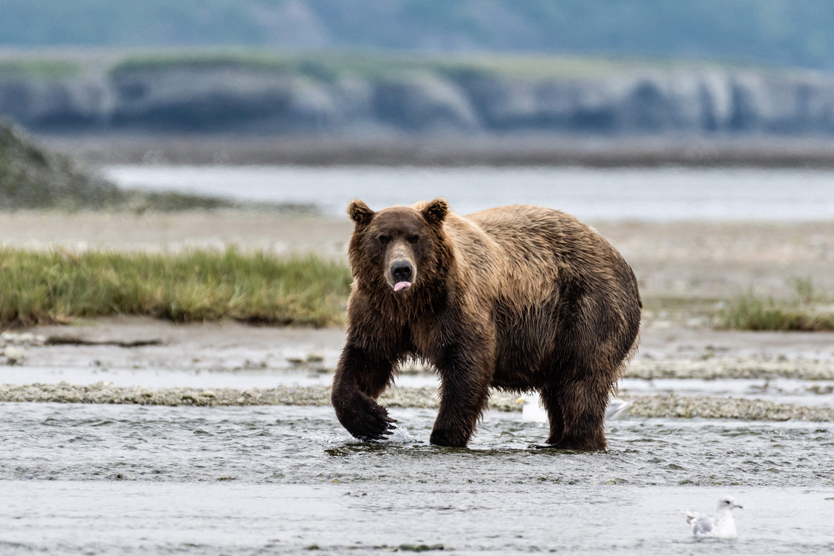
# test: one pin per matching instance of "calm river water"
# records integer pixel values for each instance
(588, 193)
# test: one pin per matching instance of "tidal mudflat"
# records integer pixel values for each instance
(246, 478)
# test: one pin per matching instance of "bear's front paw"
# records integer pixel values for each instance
(365, 419)
(448, 437)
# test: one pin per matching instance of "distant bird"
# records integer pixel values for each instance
(533, 412)
(617, 409)
(720, 527)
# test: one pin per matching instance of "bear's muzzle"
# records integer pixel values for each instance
(402, 272)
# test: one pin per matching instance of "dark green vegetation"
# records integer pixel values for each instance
(804, 312)
(39, 67)
(32, 177)
(40, 287)
(792, 32)
(373, 65)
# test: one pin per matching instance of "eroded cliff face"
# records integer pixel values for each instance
(188, 98)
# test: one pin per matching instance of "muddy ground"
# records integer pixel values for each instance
(736, 375)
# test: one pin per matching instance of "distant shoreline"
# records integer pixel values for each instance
(447, 150)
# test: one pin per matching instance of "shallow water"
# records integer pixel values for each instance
(657, 194)
(306, 445)
(278, 479)
(139, 518)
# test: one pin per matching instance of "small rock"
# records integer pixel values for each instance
(419, 547)
(25, 338)
(14, 354)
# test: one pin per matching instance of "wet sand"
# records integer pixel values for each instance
(679, 371)
(241, 518)
(668, 406)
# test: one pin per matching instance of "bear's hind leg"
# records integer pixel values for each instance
(583, 402)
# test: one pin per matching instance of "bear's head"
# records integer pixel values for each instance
(399, 246)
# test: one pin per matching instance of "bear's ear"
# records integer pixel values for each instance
(359, 212)
(435, 212)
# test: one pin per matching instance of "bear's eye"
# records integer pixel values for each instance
(384, 239)
(413, 239)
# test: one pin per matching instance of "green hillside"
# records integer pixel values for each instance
(780, 32)
(32, 177)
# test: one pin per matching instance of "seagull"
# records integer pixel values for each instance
(533, 412)
(617, 409)
(720, 527)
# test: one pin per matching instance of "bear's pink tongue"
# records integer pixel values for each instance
(401, 286)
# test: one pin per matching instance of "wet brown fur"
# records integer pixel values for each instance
(518, 298)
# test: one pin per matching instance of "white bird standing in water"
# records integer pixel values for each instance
(533, 412)
(720, 527)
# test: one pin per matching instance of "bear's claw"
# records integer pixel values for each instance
(372, 425)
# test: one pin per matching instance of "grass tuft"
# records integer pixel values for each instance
(51, 69)
(750, 312)
(56, 287)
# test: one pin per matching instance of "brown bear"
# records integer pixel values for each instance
(517, 298)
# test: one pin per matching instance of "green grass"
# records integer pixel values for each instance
(54, 69)
(32, 177)
(802, 313)
(375, 65)
(251, 59)
(56, 287)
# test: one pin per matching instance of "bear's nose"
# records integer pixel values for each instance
(402, 271)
